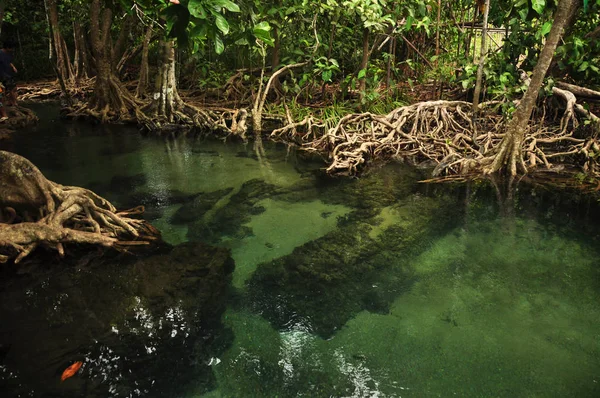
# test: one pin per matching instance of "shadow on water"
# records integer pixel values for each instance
(378, 286)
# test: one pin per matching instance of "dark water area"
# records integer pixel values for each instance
(278, 281)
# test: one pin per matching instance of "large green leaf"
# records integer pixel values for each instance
(219, 46)
(227, 4)
(262, 31)
(222, 23)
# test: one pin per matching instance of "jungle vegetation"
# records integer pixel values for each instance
(428, 81)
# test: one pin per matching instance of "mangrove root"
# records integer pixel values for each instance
(39, 212)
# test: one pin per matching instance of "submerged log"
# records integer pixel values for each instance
(37, 211)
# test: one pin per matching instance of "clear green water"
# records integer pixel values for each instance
(378, 287)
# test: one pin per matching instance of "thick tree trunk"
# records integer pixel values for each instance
(166, 102)
(144, 79)
(110, 100)
(509, 153)
(62, 60)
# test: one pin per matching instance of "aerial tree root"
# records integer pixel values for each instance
(436, 132)
(441, 134)
(39, 212)
(186, 117)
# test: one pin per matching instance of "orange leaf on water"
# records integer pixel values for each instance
(71, 370)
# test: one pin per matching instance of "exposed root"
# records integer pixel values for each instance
(51, 215)
(441, 134)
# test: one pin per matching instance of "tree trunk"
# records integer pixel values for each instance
(166, 102)
(110, 99)
(81, 62)
(482, 56)
(509, 151)
(144, 80)
(119, 48)
(62, 61)
(364, 63)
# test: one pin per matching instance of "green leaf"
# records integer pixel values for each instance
(262, 31)
(219, 46)
(409, 22)
(196, 9)
(222, 23)
(546, 28)
(584, 65)
(523, 13)
(327, 75)
(362, 73)
(538, 6)
(229, 5)
(334, 62)
(263, 26)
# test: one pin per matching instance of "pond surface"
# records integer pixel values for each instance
(371, 287)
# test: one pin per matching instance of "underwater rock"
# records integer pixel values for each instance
(361, 265)
(141, 327)
(195, 209)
